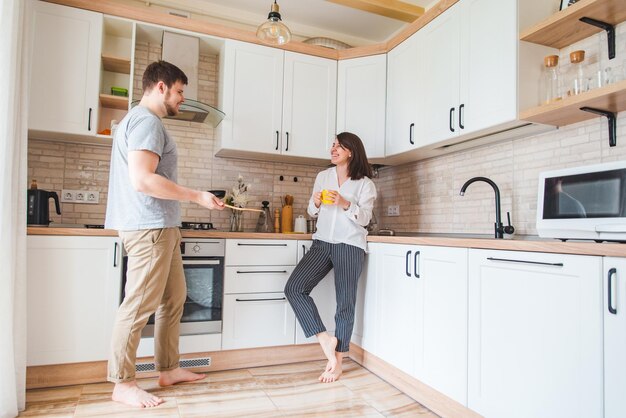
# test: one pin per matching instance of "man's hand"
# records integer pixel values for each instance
(208, 200)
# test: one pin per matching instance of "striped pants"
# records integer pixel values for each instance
(347, 260)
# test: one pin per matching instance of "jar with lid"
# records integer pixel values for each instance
(551, 80)
(577, 80)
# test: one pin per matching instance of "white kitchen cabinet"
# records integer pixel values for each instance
(361, 91)
(404, 102)
(65, 69)
(365, 319)
(276, 103)
(256, 312)
(614, 337)
(535, 335)
(73, 291)
(324, 296)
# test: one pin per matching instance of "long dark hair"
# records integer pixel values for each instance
(358, 167)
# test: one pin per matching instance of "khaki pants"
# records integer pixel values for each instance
(155, 282)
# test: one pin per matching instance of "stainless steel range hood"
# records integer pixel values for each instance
(184, 51)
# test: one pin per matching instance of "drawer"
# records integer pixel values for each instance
(254, 279)
(260, 252)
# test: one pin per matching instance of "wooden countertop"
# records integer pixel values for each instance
(523, 243)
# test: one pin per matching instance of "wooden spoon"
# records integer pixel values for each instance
(238, 208)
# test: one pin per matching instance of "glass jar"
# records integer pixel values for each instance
(551, 80)
(577, 79)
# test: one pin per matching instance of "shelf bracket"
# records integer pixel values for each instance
(610, 31)
(611, 116)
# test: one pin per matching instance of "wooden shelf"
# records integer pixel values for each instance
(114, 102)
(564, 28)
(567, 111)
(115, 64)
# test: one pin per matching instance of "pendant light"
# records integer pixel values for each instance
(273, 31)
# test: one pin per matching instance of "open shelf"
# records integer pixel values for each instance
(567, 111)
(564, 27)
(115, 64)
(114, 102)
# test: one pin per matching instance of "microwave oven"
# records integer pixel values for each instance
(583, 203)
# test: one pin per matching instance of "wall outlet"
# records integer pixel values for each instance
(80, 196)
(393, 210)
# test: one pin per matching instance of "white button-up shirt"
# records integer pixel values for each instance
(335, 225)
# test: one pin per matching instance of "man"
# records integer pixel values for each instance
(143, 206)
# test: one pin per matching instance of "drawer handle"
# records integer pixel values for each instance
(262, 271)
(509, 260)
(609, 286)
(258, 300)
(261, 245)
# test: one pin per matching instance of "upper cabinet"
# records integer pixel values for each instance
(276, 102)
(65, 69)
(361, 91)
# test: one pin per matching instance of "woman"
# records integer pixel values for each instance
(339, 243)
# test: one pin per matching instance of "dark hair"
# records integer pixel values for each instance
(358, 167)
(162, 71)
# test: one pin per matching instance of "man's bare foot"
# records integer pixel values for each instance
(328, 344)
(178, 375)
(329, 376)
(130, 394)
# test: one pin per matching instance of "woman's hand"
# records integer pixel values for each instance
(317, 199)
(338, 200)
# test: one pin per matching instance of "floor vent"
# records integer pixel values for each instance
(184, 364)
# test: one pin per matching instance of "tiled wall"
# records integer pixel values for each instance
(427, 191)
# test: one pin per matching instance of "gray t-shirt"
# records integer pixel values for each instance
(128, 209)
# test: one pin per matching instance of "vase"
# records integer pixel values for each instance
(236, 221)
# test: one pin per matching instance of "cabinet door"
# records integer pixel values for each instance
(324, 296)
(441, 56)
(398, 298)
(73, 291)
(488, 64)
(365, 321)
(361, 90)
(260, 252)
(535, 335)
(309, 105)
(441, 349)
(614, 337)
(404, 122)
(65, 69)
(257, 320)
(252, 97)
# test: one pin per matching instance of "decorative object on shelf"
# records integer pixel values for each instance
(577, 82)
(119, 91)
(273, 31)
(566, 3)
(238, 198)
(551, 80)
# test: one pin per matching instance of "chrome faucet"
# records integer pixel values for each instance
(500, 229)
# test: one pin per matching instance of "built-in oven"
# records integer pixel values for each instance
(203, 263)
(583, 202)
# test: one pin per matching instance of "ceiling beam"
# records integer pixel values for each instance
(394, 9)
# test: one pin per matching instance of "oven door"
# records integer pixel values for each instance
(202, 312)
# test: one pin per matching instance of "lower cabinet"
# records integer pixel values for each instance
(535, 335)
(614, 337)
(365, 322)
(73, 291)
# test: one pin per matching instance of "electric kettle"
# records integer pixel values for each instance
(38, 213)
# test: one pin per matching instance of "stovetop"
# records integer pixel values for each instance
(198, 226)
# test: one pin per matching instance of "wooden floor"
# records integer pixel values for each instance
(276, 391)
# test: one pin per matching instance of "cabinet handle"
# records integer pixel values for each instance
(461, 116)
(509, 260)
(261, 271)
(416, 265)
(115, 255)
(277, 134)
(261, 245)
(287, 147)
(411, 134)
(89, 120)
(609, 286)
(258, 300)
(303, 249)
(408, 273)
(451, 117)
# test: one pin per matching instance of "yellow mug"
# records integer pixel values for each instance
(326, 197)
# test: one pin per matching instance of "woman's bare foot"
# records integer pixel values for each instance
(130, 394)
(178, 375)
(328, 344)
(329, 376)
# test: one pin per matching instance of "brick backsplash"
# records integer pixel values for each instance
(427, 191)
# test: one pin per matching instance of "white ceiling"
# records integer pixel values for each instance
(305, 18)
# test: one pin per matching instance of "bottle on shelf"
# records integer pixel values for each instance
(577, 79)
(551, 80)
